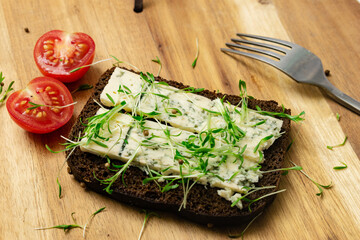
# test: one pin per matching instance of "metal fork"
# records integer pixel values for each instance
(294, 60)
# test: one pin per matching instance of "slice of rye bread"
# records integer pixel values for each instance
(203, 205)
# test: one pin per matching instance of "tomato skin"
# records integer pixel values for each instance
(43, 119)
(57, 53)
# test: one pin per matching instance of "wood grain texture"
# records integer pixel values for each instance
(168, 29)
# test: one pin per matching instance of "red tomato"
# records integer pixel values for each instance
(57, 53)
(51, 94)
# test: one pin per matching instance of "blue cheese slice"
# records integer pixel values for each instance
(125, 86)
(114, 139)
(176, 107)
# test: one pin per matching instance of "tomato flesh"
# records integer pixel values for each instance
(47, 115)
(57, 54)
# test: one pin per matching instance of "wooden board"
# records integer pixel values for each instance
(168, 29)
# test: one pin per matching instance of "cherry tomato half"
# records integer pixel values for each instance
(57, 53)
(38, 107)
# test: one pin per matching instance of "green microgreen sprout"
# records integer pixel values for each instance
(251, 201)
(250, 192)
(157, 60)
(72, 145)
(263, 141)
(338, 117)
(7, 91)
(339, 145)
(110, 98)
(247, 226)
(318, 185)
(110, 181)
(197, 53)
(147, 216)
(118, 62)
(296, 118)
(89, 65)
(259, 123)
(289, 146)
(296, 168)
(191, 90)
(244, 101)
(35, 105)
(341, 167)
(68, 227)
(82, 87)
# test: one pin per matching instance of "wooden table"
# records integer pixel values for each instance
(168, 29)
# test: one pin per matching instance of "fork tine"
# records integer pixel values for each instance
(269, 46)
(262, 51)
(251, 55)
(274, 40)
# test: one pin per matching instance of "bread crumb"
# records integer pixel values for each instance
(82, 184)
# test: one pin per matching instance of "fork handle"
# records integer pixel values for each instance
(340, 97)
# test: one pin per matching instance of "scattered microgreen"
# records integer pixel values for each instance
(7, 91)
(89, 65)
(247, 226)
(147, 216)
(296, 118)
(68, 227)
(296, 168)
(157, 60)
(318, 185)
(72, 145)
(339, 145)
(259, 123)
(263, 141)
(110, 98)
(338, 116)
(118, 62)
(197, 53)
(110, 181)
(244, 101)
(250, 192)
(234, 131)
(289, 146)
(251, 201)
(341, 167)
(35, 105)
(190, 90)
(82, 87)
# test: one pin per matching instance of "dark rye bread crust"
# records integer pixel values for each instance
(204, 205)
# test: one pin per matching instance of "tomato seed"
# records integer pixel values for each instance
(48, 53)
(48, 47)
(49, 42)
